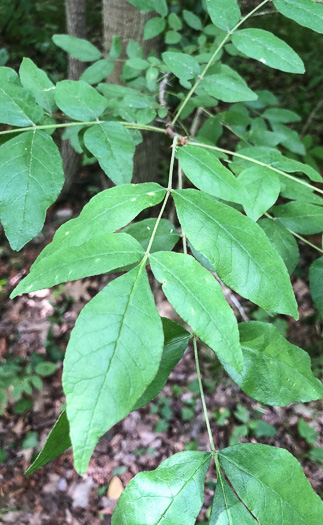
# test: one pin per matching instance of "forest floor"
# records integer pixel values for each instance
(40, 323)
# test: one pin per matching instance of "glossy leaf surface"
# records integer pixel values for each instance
(31, 177)
(198, 298)
(275, 372)
(112, 357)
(240, 251)
(96, 255)
(271, 483)
(268, 49)
(173, 493)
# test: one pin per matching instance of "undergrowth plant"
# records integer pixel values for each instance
(232, 231)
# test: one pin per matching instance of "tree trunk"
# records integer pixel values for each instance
(126, 21)
(76, 26)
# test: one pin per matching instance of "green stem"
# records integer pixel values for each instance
(199, 379)
(169, 189)
(127, 125)
(210, 62)
(249, 159)
(297, 235)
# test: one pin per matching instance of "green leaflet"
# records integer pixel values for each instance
(224, 13)
(112, 356)
(274, 372)
(166, 234)
(283, 241)
(37, 81)
(316, 283)
(98, 71)
(97, 254)
(183, 66)
(31, 177)
(228, 88)
(17, 105)
(240, 251)
(112, 144)
(79, 100)
(77, 47)
(268, 49)
(107, 212)
(227, 509)
(57, 442)
(197, 297)
(176, 339)
(153, 27)
(283, 116)
(300, 217)
(305, 12)
(208, 174)
(171, 494)
(271, 483)
(262, 187)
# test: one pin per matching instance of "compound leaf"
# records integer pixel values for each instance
(112, 357)
(112, 144)
(271, 483)
(238, 248)
(198, 298)
(268, 49)
(173, 493)
(31, 177)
